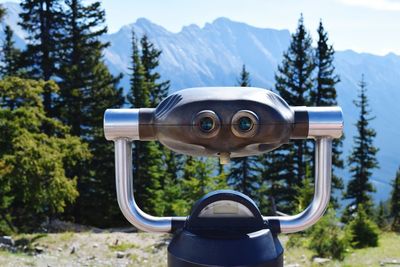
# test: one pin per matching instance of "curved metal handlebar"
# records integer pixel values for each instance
(322, 193)
(122, 126)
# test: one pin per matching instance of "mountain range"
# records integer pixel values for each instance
(213, 55)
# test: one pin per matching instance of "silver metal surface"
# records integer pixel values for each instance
(325, 121)
(121, 123)
(323, 169)
(126, 200)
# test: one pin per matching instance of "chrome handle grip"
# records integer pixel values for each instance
(122, 127)
(125, 196)
(323, 169)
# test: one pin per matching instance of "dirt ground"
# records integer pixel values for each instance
(88, 249)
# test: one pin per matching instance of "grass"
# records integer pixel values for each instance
(388, 249)
(122, 247)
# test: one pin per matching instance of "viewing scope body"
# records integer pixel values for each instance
(224, 122)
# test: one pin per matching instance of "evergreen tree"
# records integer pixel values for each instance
(324, 93)
(43, 24)
(149, 167)
(10, 55)
(327, 240)
(34, 180)
(244, 172)
(150, 61)
(382, 215)
(363, 231)
(198, 179)
(395, 203)
(277, 175)
(362, 159)
(172, 162)
(87, 89)
(294, 82)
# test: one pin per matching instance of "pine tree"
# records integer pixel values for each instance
(324, 93)
(244, 172)
(362, 159)
(10, 55)
(395, 203)
(148, 163)
(34, 178)
(172, 162)
(87, 89)
(277, 175)
(363, 231)
(294, 82)
(150, 61)
(43, 24)
(382, 215)
(198, 179)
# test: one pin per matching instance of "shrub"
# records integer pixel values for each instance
(363, 231)
(327, 239)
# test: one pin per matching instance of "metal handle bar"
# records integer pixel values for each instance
(122, 126)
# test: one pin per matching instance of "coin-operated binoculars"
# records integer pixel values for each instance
(225, 228)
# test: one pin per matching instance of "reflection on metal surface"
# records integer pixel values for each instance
(325, 121)
(323, 169)
(121, 123)
(126, 200)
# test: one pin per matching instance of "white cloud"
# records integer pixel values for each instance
(387, 5)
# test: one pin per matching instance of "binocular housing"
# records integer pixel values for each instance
(217, 121)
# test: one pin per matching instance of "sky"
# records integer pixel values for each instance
(371, 26)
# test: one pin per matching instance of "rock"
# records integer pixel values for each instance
(39, 249)
(293, 265)
(321, 261)
(120, 254)
(7, 240)
(95, 245)
(59, 249)
(392, 262)
(303, 258)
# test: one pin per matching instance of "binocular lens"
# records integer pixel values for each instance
(207, 124)
(245, 124)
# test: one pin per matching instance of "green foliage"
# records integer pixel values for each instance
(305, 192)
(395, 203)
(149, 167)
(327, 239)
(294, 81)
(150, 61)
(87, 89)
(198, 179)
(382, 214)
(34, 163)
(42, 21)
(362, 230)
(281, 187)
(362, 159)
